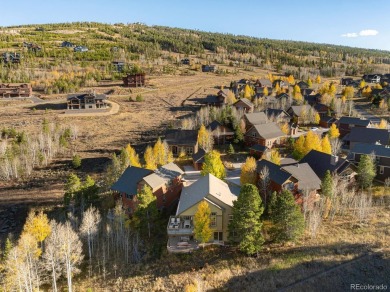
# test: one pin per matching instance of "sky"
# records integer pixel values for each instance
(353, 23)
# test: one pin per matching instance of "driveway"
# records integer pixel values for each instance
(362, 111)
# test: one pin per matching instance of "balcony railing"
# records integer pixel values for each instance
(180, 226)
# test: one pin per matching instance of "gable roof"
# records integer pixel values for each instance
(245, 101)
(264, 82)
(297, 109)
(275, 112)
(203, 187)
(82, 96)
(321, 162)
(307, 178)
(276, 174)
(182, 137)
(354, 121)
(256, 118)
(268, 131)
(282, 95)
(198, 157)
(379, 150)
(163, 175)
(368, 135)
(128, 181)
(287, 161)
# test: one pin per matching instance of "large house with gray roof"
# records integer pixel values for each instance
(165, 182)
(381, 154)
(218, 195)
(264, 134)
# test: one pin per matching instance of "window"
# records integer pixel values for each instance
(213, 219)
(254, 134)
(377, 159)
(190, 150)
(230, 218)
(218, 236)
(381, 169)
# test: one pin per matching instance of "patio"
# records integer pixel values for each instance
(182, 244)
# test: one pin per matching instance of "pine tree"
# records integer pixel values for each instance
(286, 217)
(133, 156)
(202, 221)
(246, 223)
(248, 171)
(230, 149)
(76, 161)
(366, 171)
(150, 160)
(213, 164)
(275, 156)
(333, 132)
(327, 185)
(325, 145)
(146, 212)
(72, 186)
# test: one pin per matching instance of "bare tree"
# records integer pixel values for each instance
(264, 183)
(89, 227)
(335, 145)
(71, 251)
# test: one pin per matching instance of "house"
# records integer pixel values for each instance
(277, 115)
(297, 112)
(128, 186)
(209, 68)
(320, 162)
(218, 195)
(81, 49)
(221, 134)
(263, 83)
(367, 136)
(256, 118)
(312, 99)
(244, 104)
(260, 91)
(345, 124)
(165, 182)
(67, 44)
(258, 151)
(264, 134)
(182, 141)
(307, 91)
(306, 178)
(282, 83)
(86, 101)
(278, 179)
(372, 78)
(198, 159)
(346, 81)
(15, 90)
(327, 121)
(303, 85)
(134, 80)
(282, 96)
(322, 109)
(382, 157)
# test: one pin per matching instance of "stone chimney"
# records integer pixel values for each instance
(334, 159)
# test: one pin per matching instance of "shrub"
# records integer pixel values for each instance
(139, 98)
(76, 161)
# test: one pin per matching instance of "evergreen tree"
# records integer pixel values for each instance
(327, 185)
(366, 171)
(246, 223)
(213, 164)
(230, 149)
(76, 161)
(248, 172)
(286, 217)
(72, 186)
